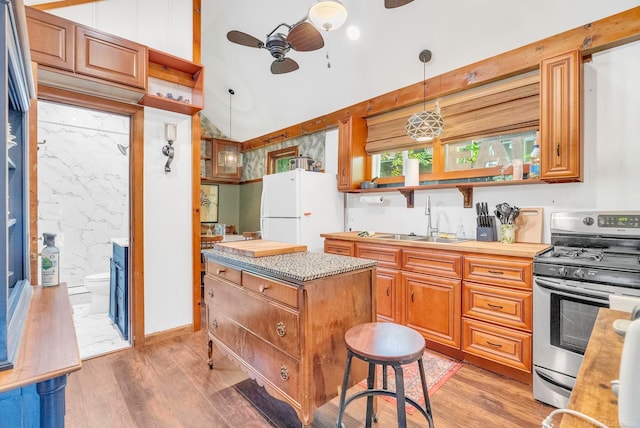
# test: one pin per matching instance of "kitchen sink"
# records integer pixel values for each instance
(421, 238)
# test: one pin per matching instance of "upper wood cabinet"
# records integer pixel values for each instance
(353, 164)
(79, 58)
(109, 57)
(174, 84)
(560, 117)
(51, 39)
(210, 168)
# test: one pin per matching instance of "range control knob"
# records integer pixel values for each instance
(562, 271)
(578, 273)
(588, 221)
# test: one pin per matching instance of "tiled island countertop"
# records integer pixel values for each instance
(295, 267)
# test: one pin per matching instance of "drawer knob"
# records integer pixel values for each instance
(214, 323)
(263, 287)
(495, 345)
(219, 271)
(495, 306)
(284, 373)
(281, 329)
(210, 293)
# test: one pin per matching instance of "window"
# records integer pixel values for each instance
(391, 164)
(278, 160)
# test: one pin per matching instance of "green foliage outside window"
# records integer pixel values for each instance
(391, 163)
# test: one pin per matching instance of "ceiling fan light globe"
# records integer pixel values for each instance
(425, 125)
(327, 15)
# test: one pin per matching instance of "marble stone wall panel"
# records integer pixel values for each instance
(83, 178)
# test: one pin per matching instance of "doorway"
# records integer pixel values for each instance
(84, 199)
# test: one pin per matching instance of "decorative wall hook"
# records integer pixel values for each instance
(170, 134)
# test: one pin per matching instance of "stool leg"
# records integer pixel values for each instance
(400, 401)
(370, 379)
(425, 392)
(385, 383)
(345, 383)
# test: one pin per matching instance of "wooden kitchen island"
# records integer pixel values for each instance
(282, 319)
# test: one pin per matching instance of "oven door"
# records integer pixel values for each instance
(564, 313)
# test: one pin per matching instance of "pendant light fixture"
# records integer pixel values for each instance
(327, 15)
(425, 125)
(230, 158)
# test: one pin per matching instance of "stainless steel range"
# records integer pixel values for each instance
(594, 255)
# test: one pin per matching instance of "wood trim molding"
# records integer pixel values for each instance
(605, 33)
(61, 4)
(136, 185)
(33, 181)
(195, 178)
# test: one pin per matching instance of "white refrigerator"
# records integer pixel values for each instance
(298, 205)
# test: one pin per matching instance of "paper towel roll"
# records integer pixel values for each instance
(411, 173)
(371, 199)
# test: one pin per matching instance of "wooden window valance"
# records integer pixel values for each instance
(505, 107)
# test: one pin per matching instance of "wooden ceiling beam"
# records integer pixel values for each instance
(605, 33)
(60, 4)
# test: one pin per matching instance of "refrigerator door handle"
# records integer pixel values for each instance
(262, 205)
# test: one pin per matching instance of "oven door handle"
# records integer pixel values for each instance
(597, 296)
(552, 381)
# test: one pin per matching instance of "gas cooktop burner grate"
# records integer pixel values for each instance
(578, 253)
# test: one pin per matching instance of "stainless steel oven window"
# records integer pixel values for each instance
(572, 320)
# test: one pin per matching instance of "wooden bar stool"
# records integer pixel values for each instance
(385, 344)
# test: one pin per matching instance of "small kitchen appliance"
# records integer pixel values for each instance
(594, 254)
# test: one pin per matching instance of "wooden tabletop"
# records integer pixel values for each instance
(49, 347)
(592, 393)
(480, 247)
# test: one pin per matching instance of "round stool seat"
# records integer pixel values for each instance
(385, 342)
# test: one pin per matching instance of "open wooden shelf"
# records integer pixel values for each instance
(169, 68)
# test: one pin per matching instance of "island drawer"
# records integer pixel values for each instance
(386, 256)
(512, 308)
(264, 360)
(219, 270)
(440, 263)
(266, 319)
(508, 347)
(508, 272)
(286, 294)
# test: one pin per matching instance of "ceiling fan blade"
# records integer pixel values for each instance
(305, 37)
(390, 4)
(286, 65)
(244, 39)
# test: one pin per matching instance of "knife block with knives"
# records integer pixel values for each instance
(486, 224)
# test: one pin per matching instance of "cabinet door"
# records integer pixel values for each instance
(50, 39)
(206, 158)
(353, 165)
(433, 307)
(560, 114)
(111, 58)
(387, 281)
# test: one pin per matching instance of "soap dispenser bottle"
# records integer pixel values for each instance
(50, 261)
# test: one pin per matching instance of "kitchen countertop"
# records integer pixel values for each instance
(296, 267)
(592, 393)
(520, 249)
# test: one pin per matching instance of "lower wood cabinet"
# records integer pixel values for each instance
(433, 307)
(473, 306)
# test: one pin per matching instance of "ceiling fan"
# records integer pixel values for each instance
(301, 36)
(390, 4)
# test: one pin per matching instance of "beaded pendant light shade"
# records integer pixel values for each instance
(425, 125)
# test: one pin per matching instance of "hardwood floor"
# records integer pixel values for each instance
(169, 384)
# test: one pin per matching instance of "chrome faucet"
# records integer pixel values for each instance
(431, 231)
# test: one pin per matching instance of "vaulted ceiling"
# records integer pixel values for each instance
(384, 58)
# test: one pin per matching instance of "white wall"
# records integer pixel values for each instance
(611, 154)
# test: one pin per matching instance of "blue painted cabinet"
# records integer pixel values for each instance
(119, 289)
